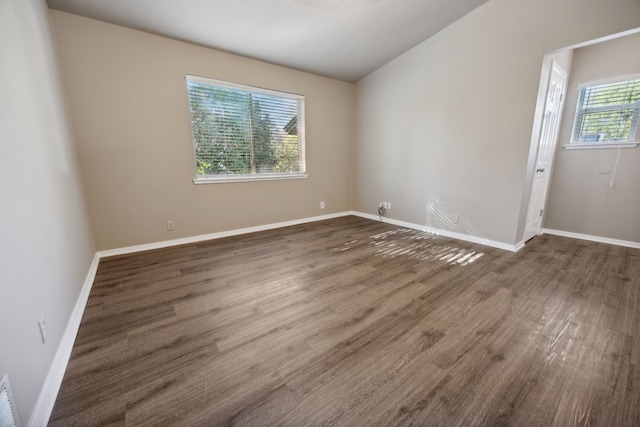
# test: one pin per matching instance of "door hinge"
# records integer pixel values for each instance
(541, 210)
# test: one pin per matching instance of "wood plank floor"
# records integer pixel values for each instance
(353, 322)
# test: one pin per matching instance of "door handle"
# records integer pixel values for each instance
(540, 170)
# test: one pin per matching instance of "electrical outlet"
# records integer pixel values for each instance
(43, 329)
(170, 225)
(388, 206)
(455, 218)
(321, 205)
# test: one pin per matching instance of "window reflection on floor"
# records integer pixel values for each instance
(417, 245)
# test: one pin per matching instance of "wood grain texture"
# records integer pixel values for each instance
(354, 322)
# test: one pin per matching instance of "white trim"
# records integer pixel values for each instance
(609, 81)
(222, 178)
(518, 246)
(588, 146)
(44, 406)
(218, 235)
(244, 87)
(596, 41)
(240, 231)
(617, 242)
(445, 233)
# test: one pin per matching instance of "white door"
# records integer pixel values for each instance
(546, 150)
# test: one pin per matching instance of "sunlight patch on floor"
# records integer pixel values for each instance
(417, 245)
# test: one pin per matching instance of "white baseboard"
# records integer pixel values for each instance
(47, 398)
(445, 233)
(212, 236)
(44, 406)
(626, 243)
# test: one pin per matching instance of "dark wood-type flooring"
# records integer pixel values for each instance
(354, 322)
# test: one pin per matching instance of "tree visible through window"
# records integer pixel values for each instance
(607, 113)
(245, 131)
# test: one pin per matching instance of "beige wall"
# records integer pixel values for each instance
(128, 105)
(46, 246)
(446, 128)
(580, 199)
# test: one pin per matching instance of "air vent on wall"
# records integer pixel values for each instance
(8, 414)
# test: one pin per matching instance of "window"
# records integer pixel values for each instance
(607, 113)
(245, 133)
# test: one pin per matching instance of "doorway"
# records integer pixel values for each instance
(547, 141)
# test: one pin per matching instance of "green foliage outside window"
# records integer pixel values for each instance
(237, 131)
(608, 113)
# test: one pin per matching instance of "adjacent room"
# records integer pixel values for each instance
(319, 212)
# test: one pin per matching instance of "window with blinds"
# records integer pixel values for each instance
(607, 113)
(244, 133)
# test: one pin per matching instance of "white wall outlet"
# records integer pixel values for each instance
(43, 329)
(389, 206)
(321, 205)
(455, 218)
(170, 225)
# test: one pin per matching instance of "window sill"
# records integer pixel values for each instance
(247, 178)
(583, 146)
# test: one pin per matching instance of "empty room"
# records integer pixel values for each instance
(319, 212)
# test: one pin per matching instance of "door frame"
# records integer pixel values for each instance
(535, 148)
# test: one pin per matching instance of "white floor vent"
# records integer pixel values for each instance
(8, 414)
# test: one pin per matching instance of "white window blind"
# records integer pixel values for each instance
(243, 132)
(607, 113)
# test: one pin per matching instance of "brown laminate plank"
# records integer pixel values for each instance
(359, 323)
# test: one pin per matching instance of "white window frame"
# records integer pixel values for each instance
(225, 178)
(629, 143)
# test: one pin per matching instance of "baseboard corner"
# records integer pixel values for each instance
(518, 246)
(451, 234)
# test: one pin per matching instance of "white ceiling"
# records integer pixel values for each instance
(342, 39)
